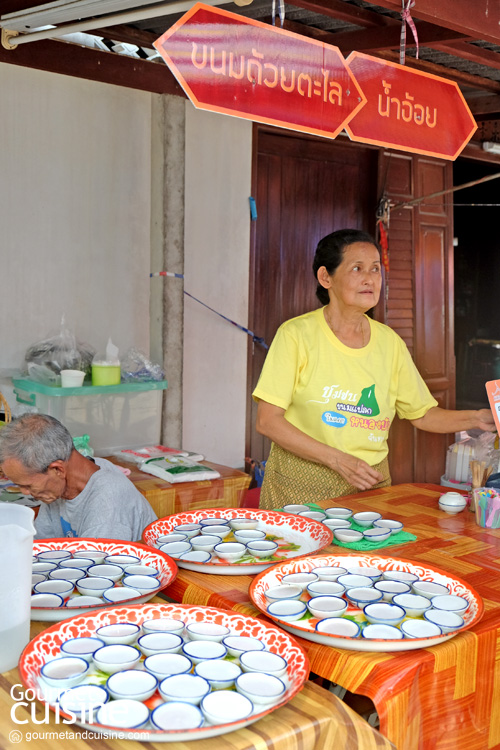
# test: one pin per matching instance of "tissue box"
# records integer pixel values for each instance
(115, 416)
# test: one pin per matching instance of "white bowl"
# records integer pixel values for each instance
(122, 560)
(338, 626)
(141, 570)
(238, 644)
(381, 632)
(94, 585)
(347, 535)
(314, 515)
(77, 562)
(145, 584)
(452, 502)
(189, 529)
(384, 613)
(82, 647)
(334, 512)
(163, 625)
(118, 632)
(221, 531)
(123, 714)
(46, 601)
(287, 609)
(53, 555)
(116, 657)
(159, 643)
(207, 631)
(62, 587)
(175, 549)
(388, 523)
(420, 629)
(337, 523)
(389, 589)
(326, 606)
(188, 688)
(176, 716)
(226, 707)
(83, 701)
(219, 673)
(295, 509)
(364, 570)
(167, 538)
(165, 665)
(264, 661)
(204, 542)
(260, 688)
(249, 535)
(37, 578)
(243, 524)
(366, 518)
(121, 594)
(363, 595)
(65, 672)
(91, 554)
(105, 570)
(430, 589)
(376, 534)
(447, 621)
(135, 684)
(284, 591)
(215, 521)
(262, 548)
(43, 567)
(413, 604)
(355, 581)
(325, 588)
(83, 601)
(450, 603)
(299, 579)
(230, 551)
(199, 651)
(329, 572)
(196, 555)
(399, 575)
(67, 574)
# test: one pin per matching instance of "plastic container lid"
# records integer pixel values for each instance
(27, 385)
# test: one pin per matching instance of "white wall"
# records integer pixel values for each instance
(216, 241)
(74, 211)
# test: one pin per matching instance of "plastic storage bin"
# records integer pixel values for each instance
(127, 415)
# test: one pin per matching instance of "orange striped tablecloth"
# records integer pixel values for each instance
(313, 720)
(167, 499)
(446, 697)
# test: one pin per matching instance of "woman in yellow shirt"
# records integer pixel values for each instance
(334, 379)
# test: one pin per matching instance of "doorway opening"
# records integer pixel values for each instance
(477, 273)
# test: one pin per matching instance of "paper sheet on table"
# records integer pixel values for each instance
(178, 469)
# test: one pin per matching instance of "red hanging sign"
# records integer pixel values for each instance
(238, 66)
(409, 110)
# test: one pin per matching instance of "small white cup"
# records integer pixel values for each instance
(72, 378)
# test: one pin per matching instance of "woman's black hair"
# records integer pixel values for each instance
(330, 252)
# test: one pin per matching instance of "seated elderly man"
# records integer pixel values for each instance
(82, 497)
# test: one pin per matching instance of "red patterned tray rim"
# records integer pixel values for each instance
(478, 600)
(324, 535)
(75, 545)
(299, 670)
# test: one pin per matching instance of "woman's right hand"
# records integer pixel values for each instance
(355, 471)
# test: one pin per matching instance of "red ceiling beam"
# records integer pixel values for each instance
(471, 52)
(479, 19)
(389, 37)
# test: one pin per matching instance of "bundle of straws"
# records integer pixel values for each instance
(487, 507)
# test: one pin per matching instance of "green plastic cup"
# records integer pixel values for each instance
(106, 374)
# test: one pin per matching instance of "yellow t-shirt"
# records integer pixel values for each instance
(340, 396)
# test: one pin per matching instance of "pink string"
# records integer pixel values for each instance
(407, 19)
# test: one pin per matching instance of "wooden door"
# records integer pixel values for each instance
(304, 188)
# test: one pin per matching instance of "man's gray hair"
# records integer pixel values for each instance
(35, 440)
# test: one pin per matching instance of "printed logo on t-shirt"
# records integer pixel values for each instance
(66, 527)
(363, 408)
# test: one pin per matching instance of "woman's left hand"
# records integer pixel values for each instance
(486, 420)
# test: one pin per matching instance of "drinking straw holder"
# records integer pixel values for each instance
(487, 507)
